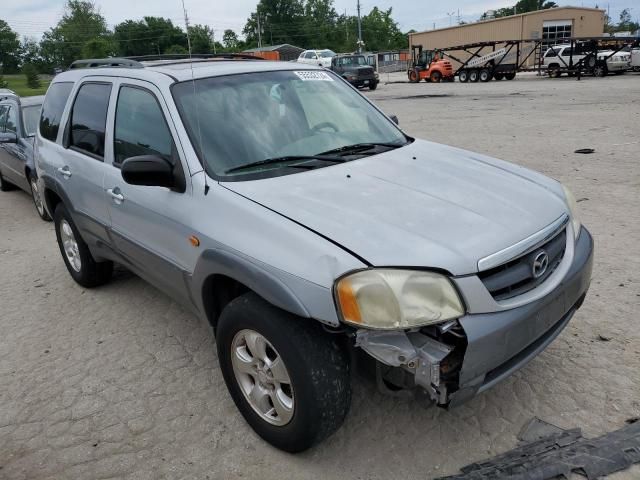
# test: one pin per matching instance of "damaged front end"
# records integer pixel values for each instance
(428, 359)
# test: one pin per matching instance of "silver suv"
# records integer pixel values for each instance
(290, 213)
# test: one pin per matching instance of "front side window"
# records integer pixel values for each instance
(89, 118)
(239, 119)
(52, 109)
(327, 54)
(140, 127)
(30, 117)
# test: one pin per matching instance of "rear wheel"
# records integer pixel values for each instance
(287, 376)
(510, 75)
(413, 76)
(436, 77)
(76, 255)
(485, 75)
(553, 71)
(498, 76)
(463, 76)
(473, 76)
(373, 85)
(37, 199)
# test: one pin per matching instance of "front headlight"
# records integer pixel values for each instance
(573, 211)
(393, 299)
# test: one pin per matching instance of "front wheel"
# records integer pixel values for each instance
(600, 71)
(76, 255)
(373, 85)
(4, 185)
(436, 77)
(413, 76)
(287, 376)
(37, 199)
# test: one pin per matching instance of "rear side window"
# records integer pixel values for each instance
(11, 121)
(89, 118)
(54, 103)
(140, 127)
(4, 109)
(552, 53)
(30, 117)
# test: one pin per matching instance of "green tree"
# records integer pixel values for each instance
(151, 35)
(381, 32)
(176, 50)
(230, 40)
(99, 47)
(523, 6)
(201, 39)
(80, 24)
(281, 21)
(9, 48)
(3, 82)
(31, 74)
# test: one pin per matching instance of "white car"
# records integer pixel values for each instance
(317, 57)
(560, 57)
(616, 63)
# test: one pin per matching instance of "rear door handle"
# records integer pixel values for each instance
(64, 171)
(116, 195)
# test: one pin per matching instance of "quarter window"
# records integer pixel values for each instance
(140, 127)
(3, 116)
(54, 103)
(89, 118)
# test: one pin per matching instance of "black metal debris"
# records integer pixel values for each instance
(560, 453)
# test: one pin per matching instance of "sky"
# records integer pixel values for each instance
(32, 17)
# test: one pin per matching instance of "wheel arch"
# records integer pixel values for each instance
(221, 275)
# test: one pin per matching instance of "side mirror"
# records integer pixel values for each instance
(8, 137)
(394, 119)
(148, 170)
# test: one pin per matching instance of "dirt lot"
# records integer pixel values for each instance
(121, 382)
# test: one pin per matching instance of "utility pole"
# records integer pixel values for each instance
(458, 18)
(213, 38)
(450, 14)
(259, 30)
(346, 25)
(359, 30)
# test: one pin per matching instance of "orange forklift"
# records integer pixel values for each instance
(429, 65)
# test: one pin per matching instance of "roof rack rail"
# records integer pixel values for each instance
(105, 63)
(199, 56)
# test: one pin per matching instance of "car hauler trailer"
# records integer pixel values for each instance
(502, 59)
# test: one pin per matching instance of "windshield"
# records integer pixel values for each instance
(326, 54)
(30, 119)
(354, 61)
(240, 119)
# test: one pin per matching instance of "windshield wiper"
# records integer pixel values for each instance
(289, 158)
(359, 147)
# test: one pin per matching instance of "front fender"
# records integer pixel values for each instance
(288, 292)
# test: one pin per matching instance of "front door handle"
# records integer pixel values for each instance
(64, 171)
(116, 195)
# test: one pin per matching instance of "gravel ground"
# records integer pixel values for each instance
(122, 382)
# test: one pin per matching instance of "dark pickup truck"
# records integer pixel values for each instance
(356, 70)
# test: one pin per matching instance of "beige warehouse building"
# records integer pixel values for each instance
(551, 26)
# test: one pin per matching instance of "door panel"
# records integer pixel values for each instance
(150, 225)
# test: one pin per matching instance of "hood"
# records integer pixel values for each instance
(422, 205)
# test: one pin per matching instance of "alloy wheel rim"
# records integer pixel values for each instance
(37, 199)
(70, 246)
(262, 377)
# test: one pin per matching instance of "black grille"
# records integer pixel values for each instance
(365, 72)
(516, 277)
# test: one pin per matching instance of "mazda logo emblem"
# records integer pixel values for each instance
(540, 264)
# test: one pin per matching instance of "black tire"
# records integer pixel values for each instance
(435, 77)
(620, 72)
(601, 70)
(4, 185)
(90, 273)
(484, 75)
(373, 85)
(413, 76)
(510, 75)
(463, 76)
(317, 367)
(498, 76)
(38, 201)
(474, 76)
(554, 71)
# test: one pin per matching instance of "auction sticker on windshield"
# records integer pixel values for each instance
(307, 76)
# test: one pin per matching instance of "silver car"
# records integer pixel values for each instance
(311, 232)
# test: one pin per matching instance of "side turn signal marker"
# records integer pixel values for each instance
(348, 304)
(195, 241)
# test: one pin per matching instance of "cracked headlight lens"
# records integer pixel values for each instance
(395, 299)
(573, 211)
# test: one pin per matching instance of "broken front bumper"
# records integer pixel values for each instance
(494, 344)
